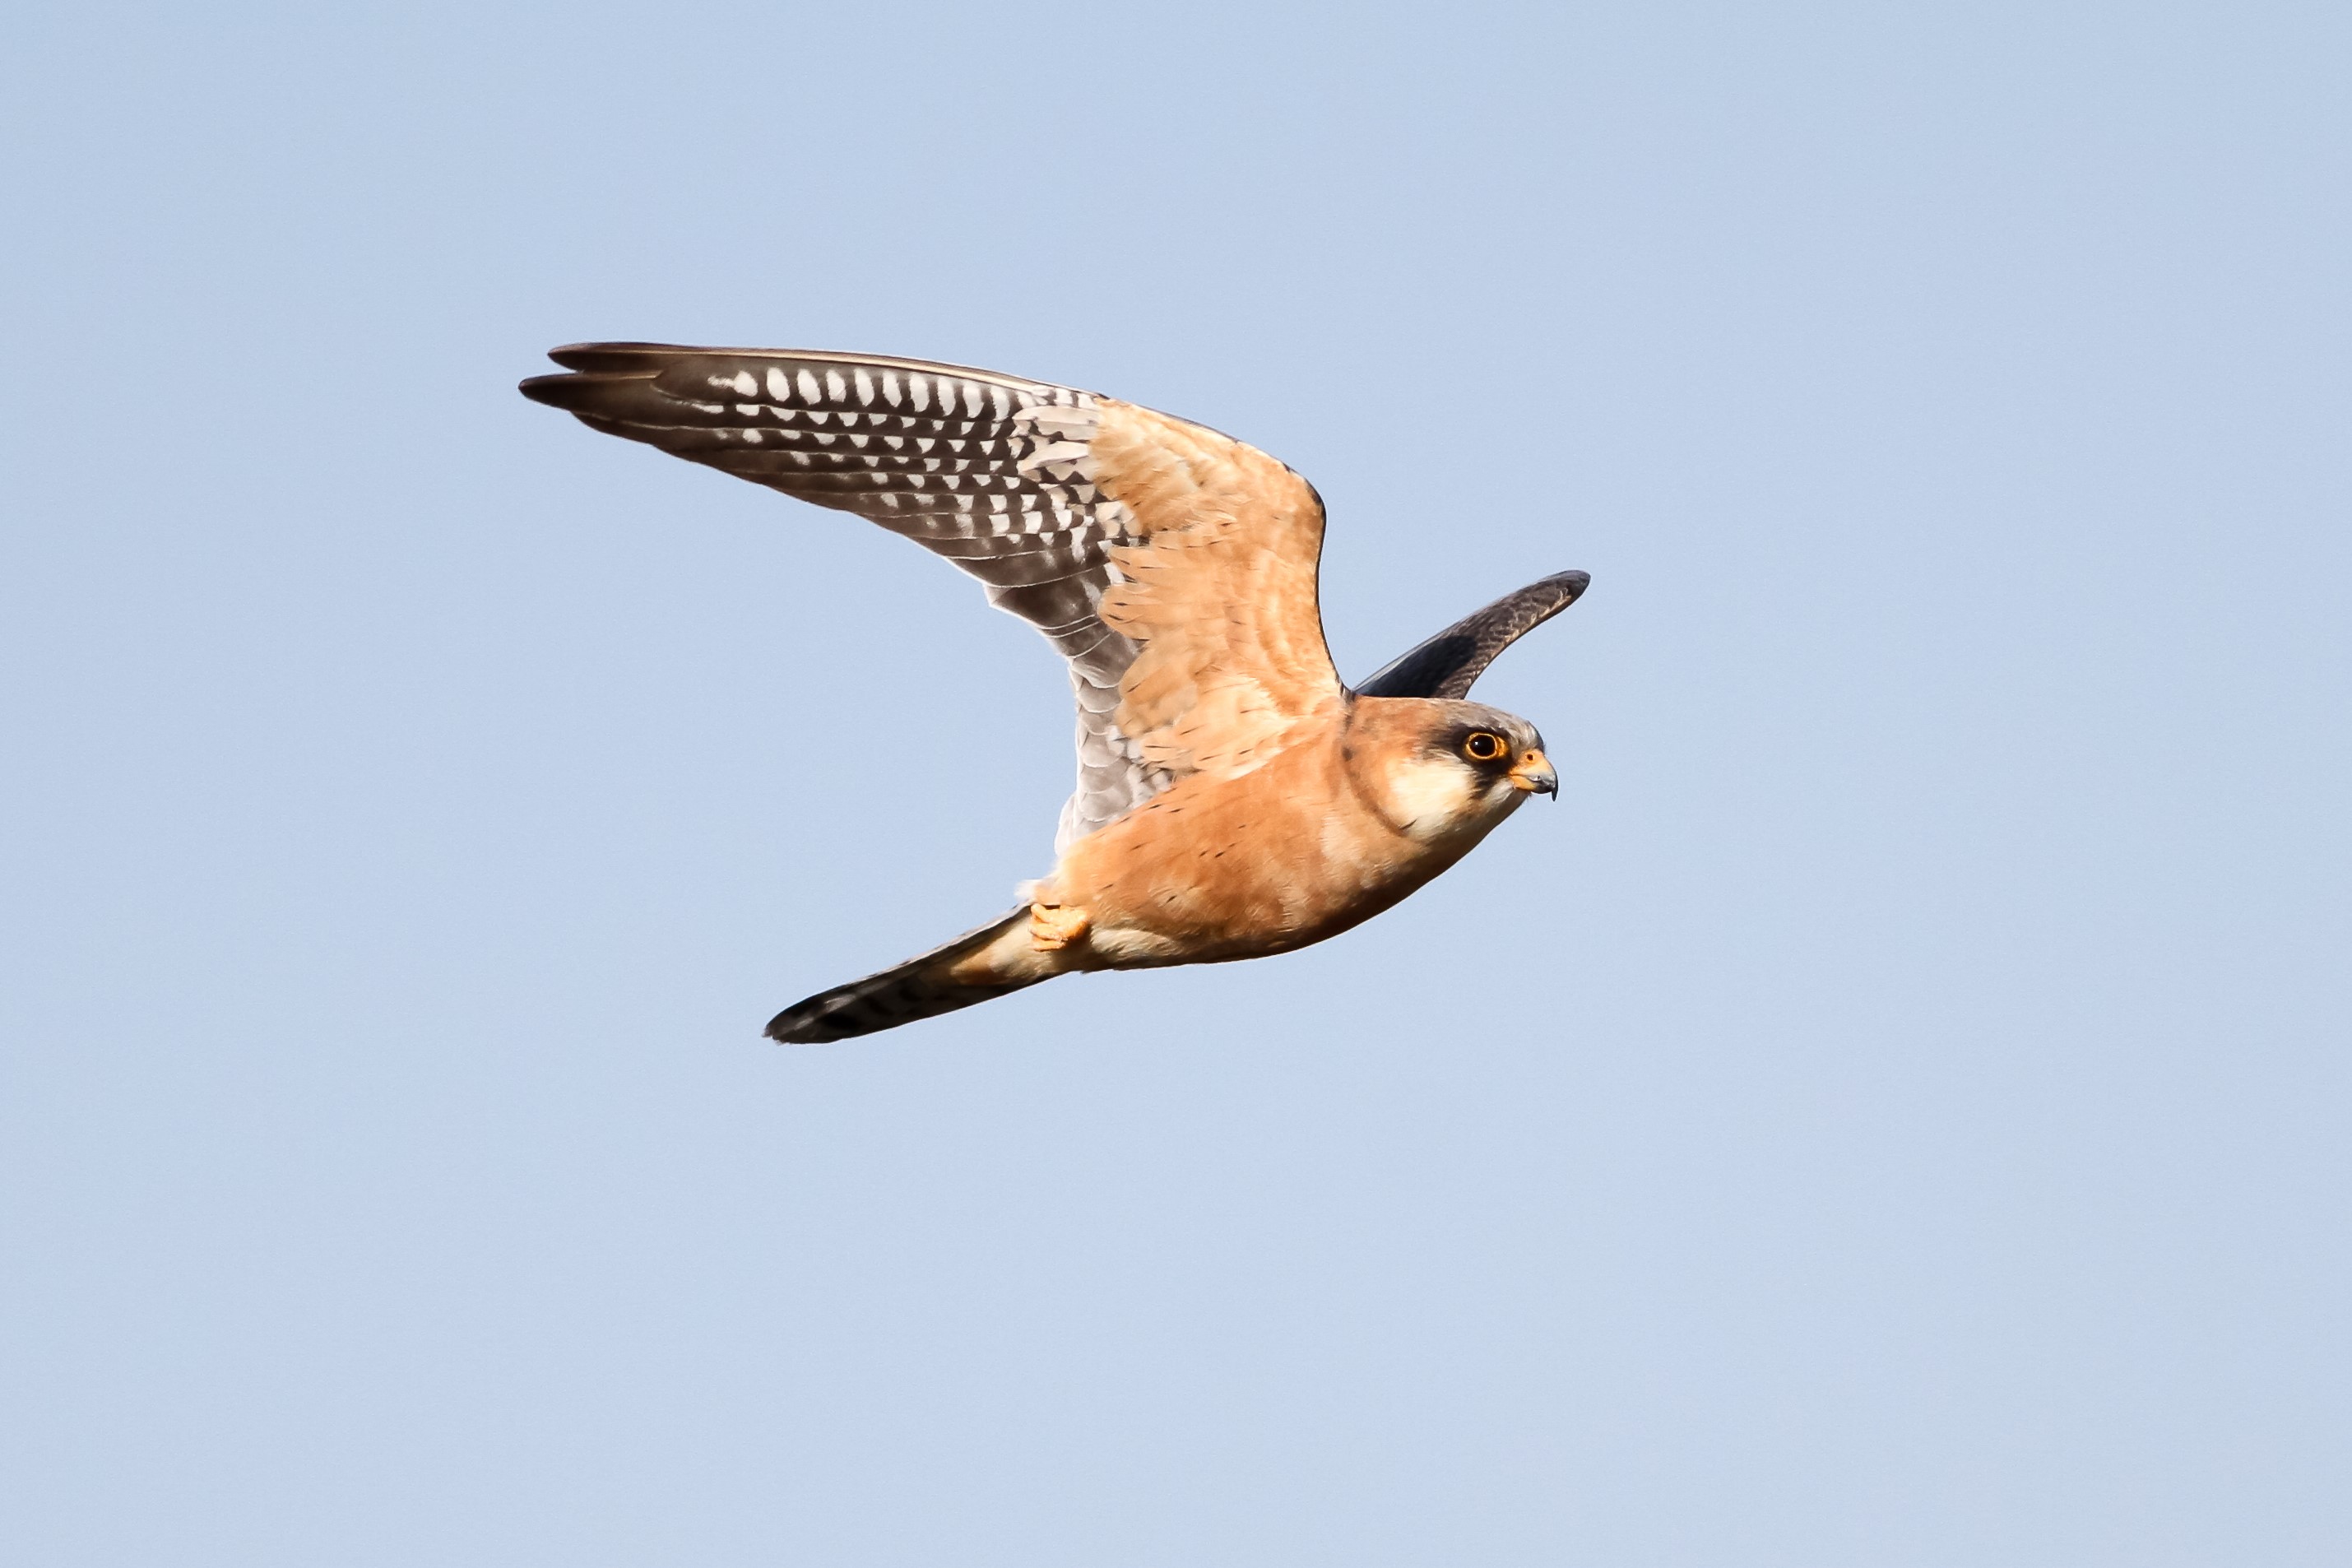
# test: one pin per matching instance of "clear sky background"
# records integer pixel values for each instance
(1893, 1110)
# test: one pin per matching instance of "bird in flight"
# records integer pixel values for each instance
(1234, 798)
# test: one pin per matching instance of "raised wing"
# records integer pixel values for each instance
(1447, 664)
(1116, 532)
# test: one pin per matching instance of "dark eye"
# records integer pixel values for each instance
(1484, 746)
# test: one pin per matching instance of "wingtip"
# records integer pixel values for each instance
(604, 355)
(1448, 664)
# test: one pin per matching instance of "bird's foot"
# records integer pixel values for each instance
(1052, 928)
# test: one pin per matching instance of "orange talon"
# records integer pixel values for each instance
(1052, 928)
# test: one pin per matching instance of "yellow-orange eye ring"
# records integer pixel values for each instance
(1485, 746)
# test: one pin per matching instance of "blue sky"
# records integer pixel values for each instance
(1891, 1111)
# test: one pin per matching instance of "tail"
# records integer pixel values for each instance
(921, 987)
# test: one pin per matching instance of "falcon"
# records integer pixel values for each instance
(1234, 798)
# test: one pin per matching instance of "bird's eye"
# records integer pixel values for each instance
(1484, 746)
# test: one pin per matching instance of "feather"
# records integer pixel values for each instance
(1449, 663)
(922, 987)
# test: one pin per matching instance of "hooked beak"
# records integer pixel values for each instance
(1533, 772)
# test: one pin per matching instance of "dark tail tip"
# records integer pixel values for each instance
(918, 988)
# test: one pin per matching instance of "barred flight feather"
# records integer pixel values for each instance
(994, 473)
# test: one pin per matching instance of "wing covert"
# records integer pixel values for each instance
(1219, 592)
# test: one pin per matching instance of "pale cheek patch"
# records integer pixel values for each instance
(1430, 796)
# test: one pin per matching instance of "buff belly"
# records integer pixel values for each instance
(1220, 869)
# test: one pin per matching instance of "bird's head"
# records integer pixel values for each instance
(1438, 768)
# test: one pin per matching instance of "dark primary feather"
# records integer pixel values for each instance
(1447, 664)
(994, 473)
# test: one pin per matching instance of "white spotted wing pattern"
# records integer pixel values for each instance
(992, 472)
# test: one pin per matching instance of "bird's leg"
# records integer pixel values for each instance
(1053, 926)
